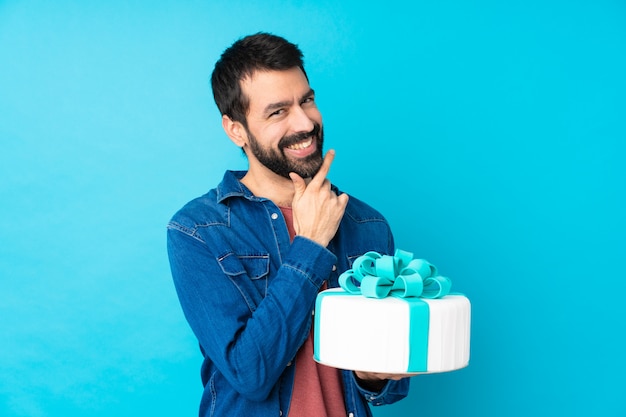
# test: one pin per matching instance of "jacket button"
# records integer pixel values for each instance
(334, 267)
(274, 216)
(351, 415)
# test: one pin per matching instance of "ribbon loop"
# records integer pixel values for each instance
(377, 276)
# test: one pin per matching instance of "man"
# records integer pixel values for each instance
(249, 258)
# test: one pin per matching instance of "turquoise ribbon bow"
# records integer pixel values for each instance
(400, 275)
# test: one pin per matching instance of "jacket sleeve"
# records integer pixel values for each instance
(250, 343)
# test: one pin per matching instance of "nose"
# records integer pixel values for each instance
(301, 121)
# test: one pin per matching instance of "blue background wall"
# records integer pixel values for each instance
(490, 133)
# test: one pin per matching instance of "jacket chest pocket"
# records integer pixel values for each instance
(250, 273)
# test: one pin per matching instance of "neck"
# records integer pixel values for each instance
(271, 186)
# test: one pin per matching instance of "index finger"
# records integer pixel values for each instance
(323, 172)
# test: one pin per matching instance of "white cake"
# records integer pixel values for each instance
(392, 335)
(390, 328)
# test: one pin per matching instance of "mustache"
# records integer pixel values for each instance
(299, 137)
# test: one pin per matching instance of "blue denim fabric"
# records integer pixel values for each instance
(248, 294)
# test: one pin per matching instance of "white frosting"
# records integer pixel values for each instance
(449, 333)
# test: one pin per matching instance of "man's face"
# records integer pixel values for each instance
(285, 132)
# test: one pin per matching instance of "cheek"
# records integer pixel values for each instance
(314, 114)
(272, 134)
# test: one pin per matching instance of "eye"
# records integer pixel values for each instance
(307, 100)
(277, 113)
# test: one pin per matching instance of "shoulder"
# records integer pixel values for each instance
(199, 212)
(359, 211)
(362, 229)
(210, 208)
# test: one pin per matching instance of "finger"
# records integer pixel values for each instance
(298, 184)
(319, 178)
(343, 200)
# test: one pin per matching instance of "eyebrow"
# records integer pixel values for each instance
(279, 104)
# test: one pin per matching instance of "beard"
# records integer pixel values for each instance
(276, 160)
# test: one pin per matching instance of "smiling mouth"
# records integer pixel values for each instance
(301, 145)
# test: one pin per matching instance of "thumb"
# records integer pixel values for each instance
(298, 184)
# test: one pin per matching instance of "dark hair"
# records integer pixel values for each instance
(261, 51)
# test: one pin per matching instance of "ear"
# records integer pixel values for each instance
(235, 131)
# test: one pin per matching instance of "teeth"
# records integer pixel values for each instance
(301, 145)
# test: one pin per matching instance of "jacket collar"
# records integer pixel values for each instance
(231, 186)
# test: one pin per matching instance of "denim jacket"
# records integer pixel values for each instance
(248, 294)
